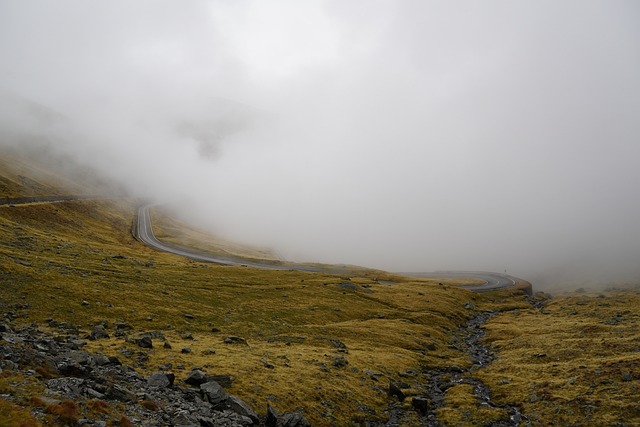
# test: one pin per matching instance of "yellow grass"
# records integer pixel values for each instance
(576, 362)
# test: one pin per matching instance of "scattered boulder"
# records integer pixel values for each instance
(340, 362)
(100, 359)
(161, 380)
(395, 391)
(122, 326)
(240, 407)
(420, 404)
(121, 393)
(68, 387)
(196, 378)
(337, 343)
(267, 364)
(294, 419)
(272, 417)
(98, 332)
(185, 419)
(213, 393)
(235, 340)
(144, 342)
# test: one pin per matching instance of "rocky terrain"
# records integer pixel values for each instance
(74, 382)
(79, 387)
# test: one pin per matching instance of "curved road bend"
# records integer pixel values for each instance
(145, 233)
(493, 281)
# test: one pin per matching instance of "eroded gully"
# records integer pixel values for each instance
(439, 380)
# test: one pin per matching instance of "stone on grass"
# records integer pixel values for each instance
(98, 332)
(395, 391)
(234, 340)
(420, 404)
(144, 342)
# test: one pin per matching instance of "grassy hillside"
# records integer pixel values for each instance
(37, 169)
(328, 344)
(76, 262)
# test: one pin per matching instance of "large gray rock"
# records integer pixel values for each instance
(185, 419)
(100, 359)
(214, 394)
(98, 332)
(68, 387)
(420, 404)
(272, 417)
(196, 378)
(294, 419)
(395, 391)
(161, 380)
(145, 342)
(121, 393)
(240, 407)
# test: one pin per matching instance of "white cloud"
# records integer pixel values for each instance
(407, 135)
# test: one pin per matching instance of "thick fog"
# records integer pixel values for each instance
(403, 135)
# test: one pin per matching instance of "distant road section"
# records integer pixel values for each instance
(493, 281)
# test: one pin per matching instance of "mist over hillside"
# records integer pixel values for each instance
(407, 136)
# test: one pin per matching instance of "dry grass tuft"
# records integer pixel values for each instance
(97, 406)
(125, 422)
(151, 405)
(63, 413)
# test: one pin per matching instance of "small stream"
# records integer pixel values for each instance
(439, 380)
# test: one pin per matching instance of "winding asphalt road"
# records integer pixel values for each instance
(144, 231)
(493, 281)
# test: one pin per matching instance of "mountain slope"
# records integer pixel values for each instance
(343, 349)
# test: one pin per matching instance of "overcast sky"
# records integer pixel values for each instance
(404, 135)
